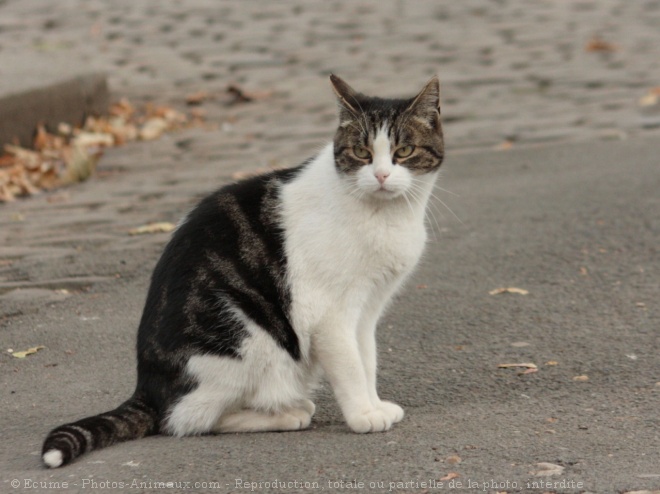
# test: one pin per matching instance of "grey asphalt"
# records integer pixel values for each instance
(554, 166)
(577, 226)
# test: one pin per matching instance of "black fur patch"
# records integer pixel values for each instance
(131, 420)
(229, 253)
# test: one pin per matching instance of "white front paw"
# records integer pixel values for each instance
(374, 420)
(392, 410)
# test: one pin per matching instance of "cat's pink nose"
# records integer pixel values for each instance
(381, 177)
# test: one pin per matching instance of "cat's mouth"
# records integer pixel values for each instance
(385, 193)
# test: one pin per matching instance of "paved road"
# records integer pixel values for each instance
(577, 225)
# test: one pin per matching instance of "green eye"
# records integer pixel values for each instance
(404, 151)
(362, 153)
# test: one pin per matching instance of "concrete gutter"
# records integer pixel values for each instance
(40, 95)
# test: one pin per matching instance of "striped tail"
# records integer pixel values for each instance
(131, 420)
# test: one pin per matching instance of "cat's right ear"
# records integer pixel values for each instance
(347, 98)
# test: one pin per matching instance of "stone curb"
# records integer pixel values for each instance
(65, 100)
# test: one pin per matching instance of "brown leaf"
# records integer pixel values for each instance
(197, 98)
(7, 160)
(41, 138)
(26, 157)
(71, 154)
(453, 459)
(241, 95)
(450, 475)
(652, 98)
(504, 145)
(582, 378)
(122, 108)
(598, 44)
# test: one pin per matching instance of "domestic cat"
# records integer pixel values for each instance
(273, 282)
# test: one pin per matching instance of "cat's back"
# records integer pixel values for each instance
(248, 206)
(227, 254)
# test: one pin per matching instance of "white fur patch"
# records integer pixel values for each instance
(265, 379)
(347, 254)
(53, 458)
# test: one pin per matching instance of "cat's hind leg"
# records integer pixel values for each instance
(220, 386)
(248, 420)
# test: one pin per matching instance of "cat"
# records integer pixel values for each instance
(273, 282)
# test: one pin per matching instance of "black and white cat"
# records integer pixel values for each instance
(271, 283)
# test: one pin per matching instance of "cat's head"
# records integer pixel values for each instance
(384, 147)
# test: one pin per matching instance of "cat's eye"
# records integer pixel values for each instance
(362, 153)
(404, 152)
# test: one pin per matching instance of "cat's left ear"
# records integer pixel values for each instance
(347, 98)
(426, 104)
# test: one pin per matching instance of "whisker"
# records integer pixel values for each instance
(417, 180)
(417, 187)
(428, 213)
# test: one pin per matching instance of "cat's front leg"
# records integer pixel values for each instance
(336, 348)
(367, 346)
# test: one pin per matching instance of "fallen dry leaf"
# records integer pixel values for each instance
(80, 163)
(582, 378)
(45, 141)
(241, 95)
(651, 99)
(504, 145)
(161, 227)
(551, 362)
(197, 98)
(527, 365)
(519, 291)
(71, 154)
(547, 469)
(27, 352)
(450, 475)
(453, 459)
(153, 129)
(598, 44)
(123, 108)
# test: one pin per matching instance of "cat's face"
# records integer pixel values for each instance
(383, 147)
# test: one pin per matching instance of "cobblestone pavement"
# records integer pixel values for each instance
(516, 73)
(518, 70)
